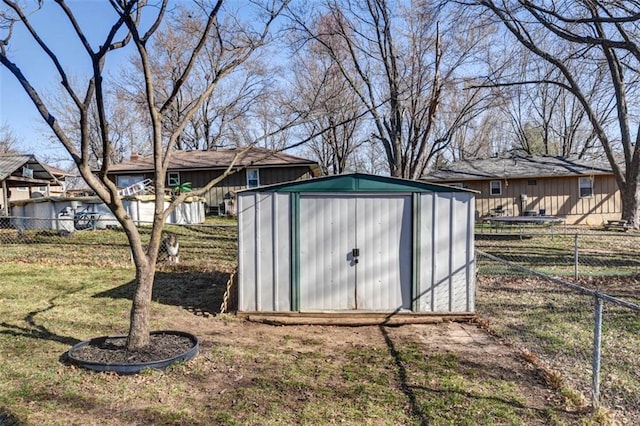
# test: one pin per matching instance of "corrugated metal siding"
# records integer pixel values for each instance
(461, 256)
(381, 226)
(247, 266)
(384, 237)
(441, 253)
(330, 227)
(264, 252)
(327, 235)
(446, 271)
(425, 259)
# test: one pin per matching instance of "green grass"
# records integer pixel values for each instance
(600, 253)
(53, 295)
(110, 247)
(367, 390)
(245, 374)
(557, 325)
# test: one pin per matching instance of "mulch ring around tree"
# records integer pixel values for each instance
(110, 353)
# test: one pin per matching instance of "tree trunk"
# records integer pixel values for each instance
(140, 309)
(630, 203)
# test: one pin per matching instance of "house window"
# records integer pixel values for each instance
(253, 178)
(532, 182)
(128, 180)
(173, 179)
(22, 188)
(586, 187)
(496, 187)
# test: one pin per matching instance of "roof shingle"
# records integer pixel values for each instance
(218, 159)
(517, 167)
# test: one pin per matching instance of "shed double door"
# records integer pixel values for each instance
(355, 252)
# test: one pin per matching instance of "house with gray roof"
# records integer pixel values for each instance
(255, 167)
(581, 191)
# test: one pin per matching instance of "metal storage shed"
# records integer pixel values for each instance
(356, 243)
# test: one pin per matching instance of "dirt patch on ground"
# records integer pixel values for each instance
(474, 351)
(477, 351)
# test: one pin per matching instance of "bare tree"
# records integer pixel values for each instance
(369, 158)
(402, 62)
(335, 111)
(232, 105)
(126, 134)
(592, 38)
(226, 114)
(475, 139)
(135, 25)
(8, 139)
(268, 113)
(546, 119)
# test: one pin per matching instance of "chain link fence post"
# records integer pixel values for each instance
(575, 257)
(597, 350)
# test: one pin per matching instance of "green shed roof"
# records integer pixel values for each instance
(357, 182)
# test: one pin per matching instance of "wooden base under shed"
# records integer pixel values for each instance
(352, 319)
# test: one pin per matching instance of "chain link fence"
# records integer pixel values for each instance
(83, 241)
(519, 291)
(570, 301)
(570, 252)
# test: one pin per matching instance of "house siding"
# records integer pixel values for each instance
(234, 182)
(238, 181)
(558, 196)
